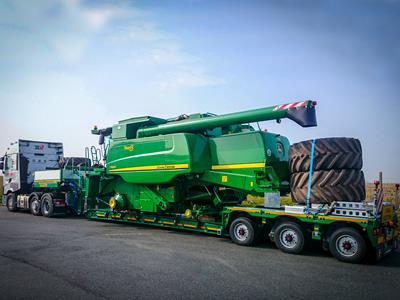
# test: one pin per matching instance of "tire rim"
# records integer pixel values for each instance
(35, 206)
(9, 203)
(347, 245)
(241, 232)
(46, 207)
(289, 238)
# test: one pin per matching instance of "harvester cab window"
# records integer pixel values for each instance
(11, 162)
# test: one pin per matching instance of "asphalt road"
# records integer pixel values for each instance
(79, 259)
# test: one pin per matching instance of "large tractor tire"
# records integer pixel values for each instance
(329, 186)
(330, 153)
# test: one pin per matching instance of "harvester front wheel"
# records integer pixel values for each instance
(289, 237)
(242, 231)
(47, 205)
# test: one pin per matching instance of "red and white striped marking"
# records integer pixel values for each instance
(291, 105)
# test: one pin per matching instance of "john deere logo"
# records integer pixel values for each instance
(129, 147)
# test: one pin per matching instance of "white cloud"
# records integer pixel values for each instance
(188, 78)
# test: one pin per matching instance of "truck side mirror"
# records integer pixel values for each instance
(1, 163)
(101, 139)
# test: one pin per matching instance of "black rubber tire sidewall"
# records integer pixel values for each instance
(357, 236)
(47, 199)
(11, 197)
(250, 226)
(38, 211)
(329, 186)
(295, 227)
(330, 153)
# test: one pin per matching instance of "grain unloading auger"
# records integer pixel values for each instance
(199, 162)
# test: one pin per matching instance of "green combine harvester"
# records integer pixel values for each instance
(194, 171)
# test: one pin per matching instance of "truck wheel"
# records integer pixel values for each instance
(289, 237)
(242, 231)
(35, 205)
(347, 244)
(11, 201)
(47, 206)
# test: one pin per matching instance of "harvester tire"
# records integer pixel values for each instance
(329, 186)
(242, 231)
(11, 202)
(330, 153)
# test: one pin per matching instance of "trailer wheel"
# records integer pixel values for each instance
(11, 201)
(242, 231)
(35, 205)
(289, 237)
(347, 244)
(47, 205)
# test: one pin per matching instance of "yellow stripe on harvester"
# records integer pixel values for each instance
(152, 168)
(238, 166)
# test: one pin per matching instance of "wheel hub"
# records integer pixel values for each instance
(347, 245)
(289, 238)
(241, 232)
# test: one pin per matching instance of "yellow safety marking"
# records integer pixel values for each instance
(151, 168)
(188, 225)
(343, 219)
(244, 209)
(251, 183)
(47, 180)
(238, 166)
(168, 223)
(213, 229)
(100, 215)
(116, 217)
(224, 178)
(148, 220)
(287, 214)
(132, 219)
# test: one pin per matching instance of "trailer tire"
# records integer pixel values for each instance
(329, 186)
(348, 245)
(330, 154)
(47, 205)
(242, 231)
(35, 205)
(11, 202)
(289, 237)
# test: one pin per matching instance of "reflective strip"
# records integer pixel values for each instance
(150, 168)
(238, 166)
(244, 209)
(47, 180)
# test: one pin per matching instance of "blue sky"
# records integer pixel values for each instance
(66, 65)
